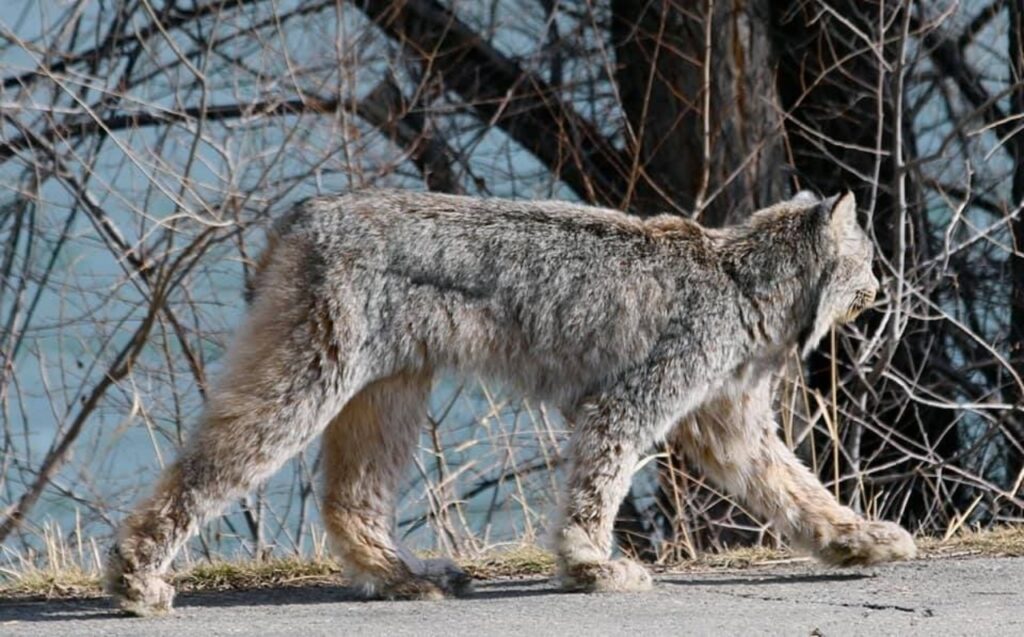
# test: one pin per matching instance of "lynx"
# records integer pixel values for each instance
(636, 329)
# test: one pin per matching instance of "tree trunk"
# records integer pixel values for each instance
(721, 165)
(705, 132)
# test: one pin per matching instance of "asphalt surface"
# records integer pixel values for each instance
(975, 596)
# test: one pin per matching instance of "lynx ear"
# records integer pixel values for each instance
(805, 196)
(842, 212)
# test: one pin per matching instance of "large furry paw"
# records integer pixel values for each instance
(613, 576)
(869, 543)
(136, 594)
(447, 575)
(143, 596)
(433, 579)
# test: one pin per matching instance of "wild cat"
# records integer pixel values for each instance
(635, 328)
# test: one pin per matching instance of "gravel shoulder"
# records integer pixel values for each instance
(949, 596)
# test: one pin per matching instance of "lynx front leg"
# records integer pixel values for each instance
(610, 432)
(598, 480)
(735, 442)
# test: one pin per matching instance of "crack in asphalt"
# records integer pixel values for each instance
(925, 612)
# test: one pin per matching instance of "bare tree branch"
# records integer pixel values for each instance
(521, 103)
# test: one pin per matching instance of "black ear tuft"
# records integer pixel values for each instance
(825, 209)
(841, 210)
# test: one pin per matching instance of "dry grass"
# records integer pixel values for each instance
(216, 576)
(1006, 541)
(744, 557)
(46, 584)
(61, 578)
(516, 561)
(220, 576)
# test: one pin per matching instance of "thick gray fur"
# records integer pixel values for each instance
(636, 329)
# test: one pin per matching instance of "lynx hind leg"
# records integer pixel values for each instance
(366, 449)
(735, 442)
(265, 408)
(239, 443)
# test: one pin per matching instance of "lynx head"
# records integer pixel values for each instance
(848, 286)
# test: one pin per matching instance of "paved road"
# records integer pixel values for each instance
(940, 597)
